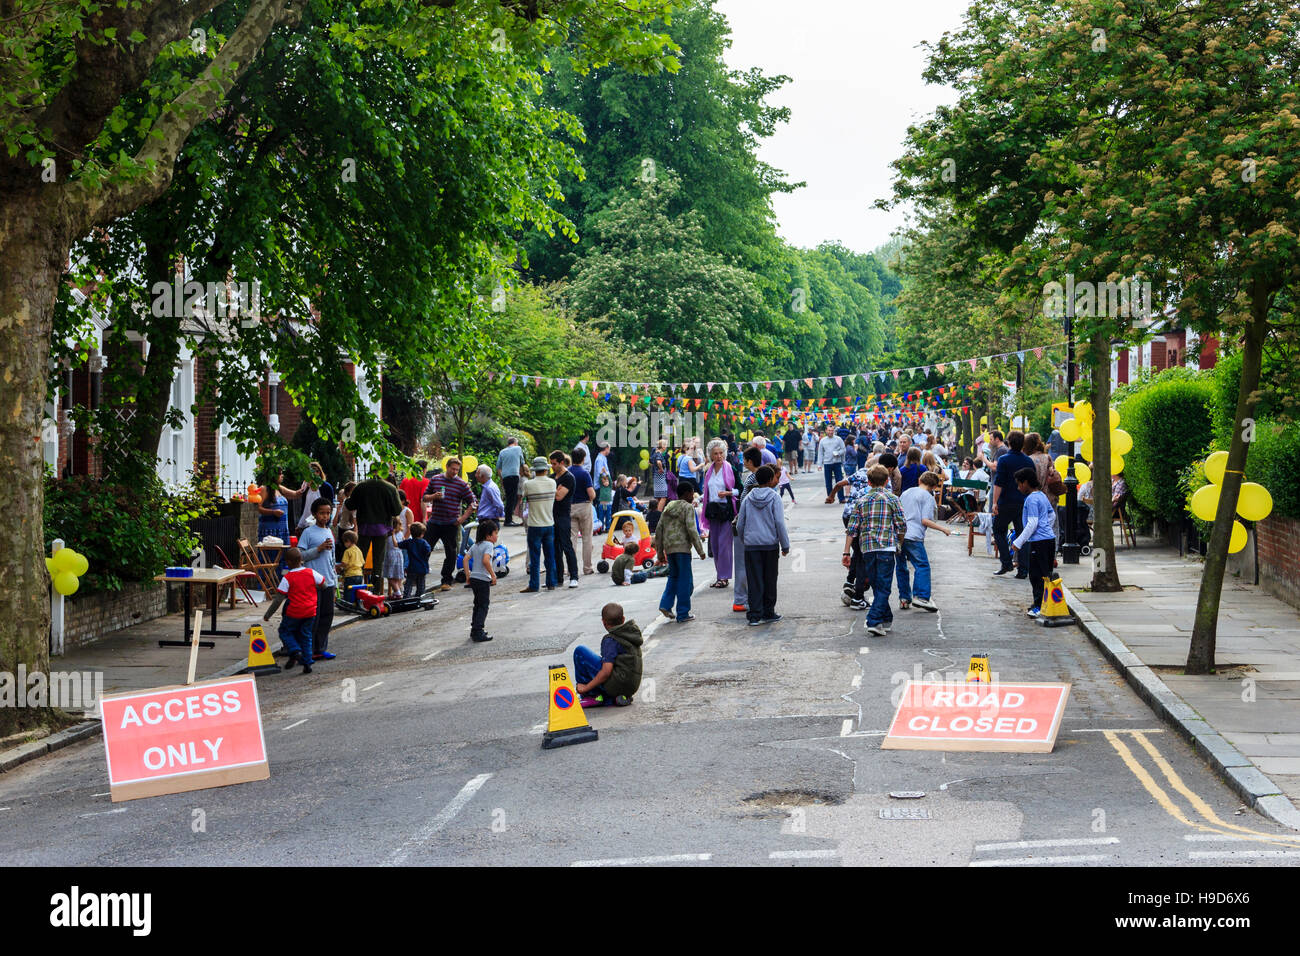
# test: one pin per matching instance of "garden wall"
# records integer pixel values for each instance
(90, 617)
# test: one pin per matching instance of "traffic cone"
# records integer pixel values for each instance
(260, 659)
(978, 671)
(565, 722)
(1054, 612)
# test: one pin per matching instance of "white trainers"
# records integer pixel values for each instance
(877, 631)
(573, 583)
(925, 604)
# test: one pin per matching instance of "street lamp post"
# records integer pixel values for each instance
(1069, 546)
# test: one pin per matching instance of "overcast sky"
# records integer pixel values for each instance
(855, 69)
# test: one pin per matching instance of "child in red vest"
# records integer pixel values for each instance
(299, 585)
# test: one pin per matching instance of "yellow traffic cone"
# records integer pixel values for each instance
(978, 671)
(260, 659)
(1054, 612)
(565, 722)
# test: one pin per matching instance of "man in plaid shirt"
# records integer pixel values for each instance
(877, 520)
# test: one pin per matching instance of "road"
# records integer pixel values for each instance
(757, 746)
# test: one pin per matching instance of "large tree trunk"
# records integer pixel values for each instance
(1200, 655)
(1105, 575)
(32, 248)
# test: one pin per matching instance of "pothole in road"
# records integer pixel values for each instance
(782, 799)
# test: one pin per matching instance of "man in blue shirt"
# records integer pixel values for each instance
(1038, 539)
(1007, 503)
(489, 498)
(316, 542)
(510, 461)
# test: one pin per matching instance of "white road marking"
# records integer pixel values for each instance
(847, 727)
(650, 645)
(298, 724)
(856, 682)
(100, 813)
(1039, 860)
(647, 860)
(4, 808)
(536, 728)
(802, 854)
(1114, 730)
(1215, 837)
(105, 794)
(445, 815)
(429, 657)
(1242, 854)
(1035, 844)
(864, 650)
(371, 687)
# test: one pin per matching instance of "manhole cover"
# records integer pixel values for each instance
(904, 813)
(908, 794)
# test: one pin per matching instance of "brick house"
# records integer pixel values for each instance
(1164, 350)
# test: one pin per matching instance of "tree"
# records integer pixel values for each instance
(99, 101)
(648, 276)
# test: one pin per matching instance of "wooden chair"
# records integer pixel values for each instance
(1120, 516)
(264, 570)
(240, 582)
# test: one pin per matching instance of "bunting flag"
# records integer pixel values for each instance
(754, 386)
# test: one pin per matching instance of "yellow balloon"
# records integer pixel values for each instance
(469, 465)
(1121, 442)
(1083, 410)
(443, 464)
(49, 564)
(1238, 539)
(1254, 502)
(1085, 448)
(1070, 429)
(747, 435)
(65, 559)
(1116, 463)
(80, 565)
(1082, 473)
(65, 582)
(1214, 467)
(1060, 464)
(1205, 502)
(1114, 419)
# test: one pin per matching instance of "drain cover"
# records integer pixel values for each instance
(905, 813)
(908, 794)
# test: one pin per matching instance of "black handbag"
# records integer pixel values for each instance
(718, 511)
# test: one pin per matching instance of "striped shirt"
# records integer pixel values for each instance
(456, 497)
(878, 518)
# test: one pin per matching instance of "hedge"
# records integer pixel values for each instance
(1170, 421)
(1274, 462)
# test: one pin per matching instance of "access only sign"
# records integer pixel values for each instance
(1017, 718)
(174, 739)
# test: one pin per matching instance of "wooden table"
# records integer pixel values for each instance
(212, 578)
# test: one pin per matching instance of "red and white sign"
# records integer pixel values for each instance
(998, 717)
(206, 734)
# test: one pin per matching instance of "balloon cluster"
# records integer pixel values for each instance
(1253, 501)
(645, 458)
(1079, 428)
(66, 567)
(468, 464)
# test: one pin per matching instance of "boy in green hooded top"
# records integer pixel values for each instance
(613, 675)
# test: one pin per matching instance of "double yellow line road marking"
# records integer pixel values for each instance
(1211, 821)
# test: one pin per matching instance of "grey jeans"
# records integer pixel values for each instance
(739, 583)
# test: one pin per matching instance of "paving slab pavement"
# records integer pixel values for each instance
(1244, 720)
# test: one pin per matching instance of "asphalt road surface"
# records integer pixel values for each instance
(757, 746)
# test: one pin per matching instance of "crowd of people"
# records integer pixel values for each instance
(719, 500)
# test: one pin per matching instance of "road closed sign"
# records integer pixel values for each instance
(1021, 718)
(206, 734)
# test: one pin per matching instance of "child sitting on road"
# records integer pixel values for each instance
(624, 569)
(481, 577)
(418, 550)
(614, 675)
(353, 564)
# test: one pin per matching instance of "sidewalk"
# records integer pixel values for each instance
(130, 659)
(1244, 720)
